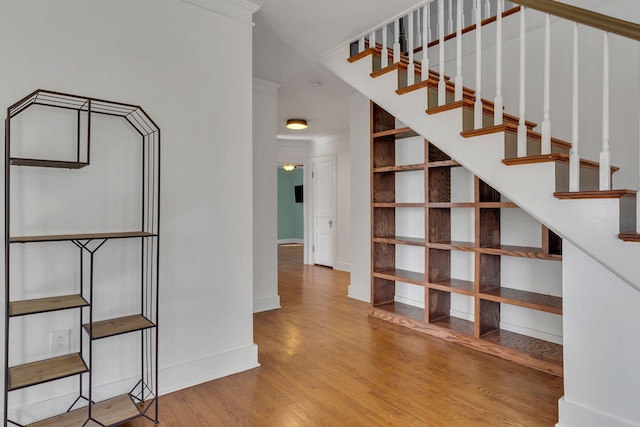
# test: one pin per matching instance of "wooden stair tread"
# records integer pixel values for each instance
(606, 194)
(488, 109)
(629, 237)
(553, 157)
(42, 371)
(43, 305)
(109, 412)
(121, 325)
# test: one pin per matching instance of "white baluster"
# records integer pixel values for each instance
(487, 9)
(522, 128)
(574, 158)
(361, 45)
(396, 42)
(458, 81)
(638, 198)
(477, 111)
(605, 160)
(425, 30)
(411, 68)
(546, 118)
(419, 31)
(372, 39)
(463, 19)
(384, 53)
(450, 19)
(498, 102)
(442, 86)
(473, 12)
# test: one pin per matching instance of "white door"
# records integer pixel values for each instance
(324, 207)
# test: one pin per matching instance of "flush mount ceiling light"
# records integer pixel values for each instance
(296, 124)
(289, 167)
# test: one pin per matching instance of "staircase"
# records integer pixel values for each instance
(531, 169)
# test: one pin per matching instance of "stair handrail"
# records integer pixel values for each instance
(584, 16)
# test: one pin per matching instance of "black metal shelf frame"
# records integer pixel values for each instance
(145, 393)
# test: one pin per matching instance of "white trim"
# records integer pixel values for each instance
(239, 10)
(360, 293)
(266, 303)
(342, 266)
(574, 415)
(288, 241)
(309, 198)
(409, 301)
(265, 86)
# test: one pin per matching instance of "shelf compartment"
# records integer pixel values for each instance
(401, 276)
(400, 240)
(81, 236)
(398, 312)
(43, 371)
(60, 164)
(535, 348)
(519, 251)
(118, 326)
(457, 286)
(43, 305)
(400, 133)
(111, 412)
(400, 168)
(455, 324)
(532, 300)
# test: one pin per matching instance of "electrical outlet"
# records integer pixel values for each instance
(60, 342)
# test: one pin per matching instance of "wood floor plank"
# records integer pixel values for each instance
(324, 362)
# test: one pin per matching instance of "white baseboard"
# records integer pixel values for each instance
(171, 379)
(574, 415)
(409, 301)
(266, 303)
(289, 241)
(359, 293)
(342, 266)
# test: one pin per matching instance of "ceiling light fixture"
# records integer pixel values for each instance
(296, 124)
(289, 167)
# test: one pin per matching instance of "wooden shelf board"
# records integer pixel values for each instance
(398, 205)
(533, 347)
(453, 245)
(443, 164)
(456, 324)
(519, 251)
(61, 164)
(492, 205)
(535, 301)
(121, 325)
(399, 168)
(400, 240)
(401, 276)
(43, 305)
(457, 286)
(398, 309)
(46, 370)
(111, 412)
(400, 133)
(81, 236)
(440, 205)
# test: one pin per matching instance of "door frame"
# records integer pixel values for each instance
(309, 208)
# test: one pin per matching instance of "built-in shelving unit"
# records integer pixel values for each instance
(449, 279)
(89, 302)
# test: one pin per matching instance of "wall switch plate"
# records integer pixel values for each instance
(60, 342)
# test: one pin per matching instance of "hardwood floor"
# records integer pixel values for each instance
(324, 362)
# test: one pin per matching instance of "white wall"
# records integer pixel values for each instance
(164, 55)
(265, 194)
(338, 145)
(601, 345)
(359, 147)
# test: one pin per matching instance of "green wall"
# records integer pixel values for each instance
(290, 214)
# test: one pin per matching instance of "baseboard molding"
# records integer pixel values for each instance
(409, 301)
(574, 415)
(266, 303)
(290, 241)
(522, 330)
(171, 379)
(359, 293)
(342, 266)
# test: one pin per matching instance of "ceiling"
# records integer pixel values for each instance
(289, 37)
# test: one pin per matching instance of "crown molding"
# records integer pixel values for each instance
(265, 86)
(239, 10)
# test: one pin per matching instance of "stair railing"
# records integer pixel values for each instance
(430, 24)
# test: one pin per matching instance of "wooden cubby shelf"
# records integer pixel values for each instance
(121, 325)
(114, 411)
(43, 305)
(46, 370)
(477, 286)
